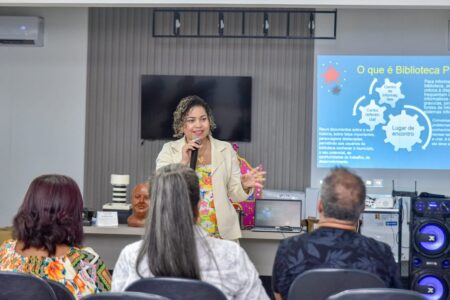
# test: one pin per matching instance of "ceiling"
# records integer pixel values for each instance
(394, 4)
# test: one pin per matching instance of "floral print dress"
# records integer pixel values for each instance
(207, 211)
(79, 270)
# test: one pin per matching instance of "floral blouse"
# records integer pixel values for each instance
(80, 270)
(207, 211)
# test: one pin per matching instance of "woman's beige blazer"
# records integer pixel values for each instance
(226, 181)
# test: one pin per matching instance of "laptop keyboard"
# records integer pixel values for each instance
(266, 229)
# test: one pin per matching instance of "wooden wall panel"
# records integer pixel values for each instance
(121, 49)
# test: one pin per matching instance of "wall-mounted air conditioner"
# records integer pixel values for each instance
(21, 30)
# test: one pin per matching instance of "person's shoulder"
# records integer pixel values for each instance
(8, 243)
(219, 247)
(373, 244)
(295, 240)
(85, 254)
(291, 245)
(224, 249)
(174, 143)
(84, 251)
(132, 248)
(222, 244)
(221, 144)
(7, 246)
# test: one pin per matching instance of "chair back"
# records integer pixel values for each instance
(14, 285)
(124, 296)
(319, 284)
(61, 292)
(377, 293)
(177, 288)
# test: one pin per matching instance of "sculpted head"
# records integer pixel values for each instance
(140, 202)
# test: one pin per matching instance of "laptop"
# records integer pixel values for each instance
(277, 215)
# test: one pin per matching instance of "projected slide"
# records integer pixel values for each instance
(383, 112)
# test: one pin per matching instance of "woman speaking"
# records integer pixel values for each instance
(216, 165)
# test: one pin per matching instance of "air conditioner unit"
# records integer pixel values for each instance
(22, 30)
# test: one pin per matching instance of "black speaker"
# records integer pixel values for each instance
(429, 266)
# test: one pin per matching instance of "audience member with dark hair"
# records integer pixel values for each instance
(48, 232)
(174, 246)
(336, 243)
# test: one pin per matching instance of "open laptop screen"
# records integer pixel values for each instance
(275, 213)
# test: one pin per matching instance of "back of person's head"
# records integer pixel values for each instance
(169, 241)
(343, 195)
(50, 214)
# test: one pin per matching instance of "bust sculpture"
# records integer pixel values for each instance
(140, 203)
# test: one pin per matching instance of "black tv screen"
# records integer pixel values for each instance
(230, 99)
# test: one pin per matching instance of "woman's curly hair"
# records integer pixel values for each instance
(50, 214)
(183, 108)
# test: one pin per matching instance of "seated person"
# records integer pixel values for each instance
(336, 243)
(174, 246)
(140, 204)
(47, 232)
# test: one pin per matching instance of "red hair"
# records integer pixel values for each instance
(50, 214)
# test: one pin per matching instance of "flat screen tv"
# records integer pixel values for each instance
(229, 97)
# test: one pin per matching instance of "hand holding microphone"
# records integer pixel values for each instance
(189, 150)
(194, 153)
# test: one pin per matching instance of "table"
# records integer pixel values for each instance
(261, 247)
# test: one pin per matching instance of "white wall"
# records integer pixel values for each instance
(390, 32)
(42, 105)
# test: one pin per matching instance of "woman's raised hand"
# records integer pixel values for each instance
(253, 179)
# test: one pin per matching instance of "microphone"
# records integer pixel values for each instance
(194, 153)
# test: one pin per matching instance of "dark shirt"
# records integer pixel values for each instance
(332, 248)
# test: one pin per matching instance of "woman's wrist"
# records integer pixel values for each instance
(246, 189)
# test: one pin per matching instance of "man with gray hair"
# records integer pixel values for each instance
(336, 243)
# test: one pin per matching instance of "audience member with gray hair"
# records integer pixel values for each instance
(336, 243)
(174, 246)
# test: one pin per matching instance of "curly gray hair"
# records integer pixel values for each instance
(183, 108)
